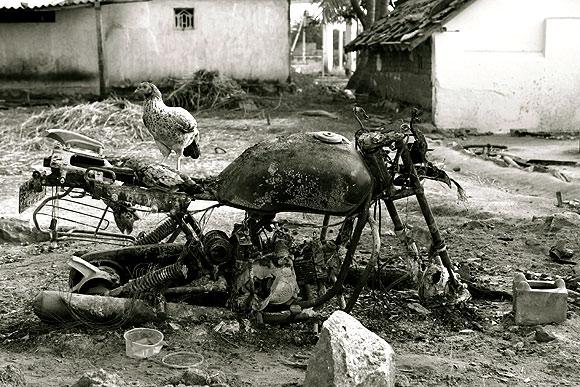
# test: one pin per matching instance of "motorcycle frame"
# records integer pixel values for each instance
(94, 182)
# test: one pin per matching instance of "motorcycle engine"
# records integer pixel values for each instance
(271, 271)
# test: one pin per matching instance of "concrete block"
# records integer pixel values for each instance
(539, 302)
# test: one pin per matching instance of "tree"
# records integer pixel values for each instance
(366, 11)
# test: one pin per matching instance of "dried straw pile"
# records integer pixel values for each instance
(113, 121)
(206, 90)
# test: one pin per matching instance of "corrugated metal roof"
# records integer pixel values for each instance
(31, 4)
(410, 24)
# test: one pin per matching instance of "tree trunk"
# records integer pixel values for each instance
(359, 80)
(370, 13)
(360, 14)
(381, 8)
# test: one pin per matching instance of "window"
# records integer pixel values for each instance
(26, 16)
(183, 18)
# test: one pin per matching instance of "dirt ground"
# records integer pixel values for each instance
(499, 231)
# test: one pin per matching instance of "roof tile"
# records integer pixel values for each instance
(411, 23)
(31, 4)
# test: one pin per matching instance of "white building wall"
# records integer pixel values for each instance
(240, 38)
(245, 39)
(50, 56)
(505, 65)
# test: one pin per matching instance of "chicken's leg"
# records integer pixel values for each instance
(165, 151)
(179, 162)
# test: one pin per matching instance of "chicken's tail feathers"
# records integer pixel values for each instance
(192, 150)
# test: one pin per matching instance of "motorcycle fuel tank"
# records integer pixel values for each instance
(318, 172)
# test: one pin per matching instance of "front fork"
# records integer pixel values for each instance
(438, 246)
(387, 190)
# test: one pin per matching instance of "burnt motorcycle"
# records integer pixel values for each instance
(266, 270)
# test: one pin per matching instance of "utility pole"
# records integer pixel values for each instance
(101, 62)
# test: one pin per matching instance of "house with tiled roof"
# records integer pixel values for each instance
(492, 65)
(60, 46)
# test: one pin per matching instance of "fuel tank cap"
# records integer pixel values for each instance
(331, 138)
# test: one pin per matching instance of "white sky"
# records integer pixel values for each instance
(297, 10)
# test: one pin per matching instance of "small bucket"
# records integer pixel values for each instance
(141, 343)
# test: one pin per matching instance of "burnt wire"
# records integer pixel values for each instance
(322, 226)
(205, 217)
(205, 209)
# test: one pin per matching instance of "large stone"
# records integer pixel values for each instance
(348, 354)
(563, 219)
(19, 231)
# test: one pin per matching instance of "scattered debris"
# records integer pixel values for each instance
(505, 238)
(573, 204)
(319, 113)
(229, 328)
(206, 90)
(175, 326)
(295, 364)
(348, 354)
(477, 224)
(561, 254)
(349, 94)
(496, 154)
(485, 149)
(100, 378)
(482, 292)
(543, 336)
(552, 162)
(418, 308)
(197, 377)
(11, 376)
(543, 134)
(560, 220)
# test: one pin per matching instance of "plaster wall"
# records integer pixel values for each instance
(48, 56)
(504, 65)
(240, 38)
(245, 39)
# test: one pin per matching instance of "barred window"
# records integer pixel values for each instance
(183, 18)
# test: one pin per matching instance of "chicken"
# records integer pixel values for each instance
(172, 128)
